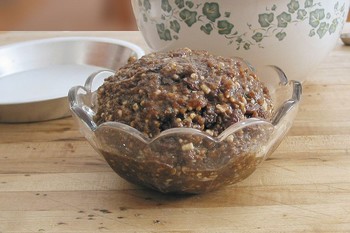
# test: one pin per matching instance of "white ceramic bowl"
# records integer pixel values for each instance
(295, 35)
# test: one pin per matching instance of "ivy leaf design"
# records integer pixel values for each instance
(342, 8)
(175, 37)
(164, 34)
(227, 14)
(207, 28)
(333, 26)
(283, 19)
(336, 6)
(328, 16)
(190, 17)
(211, 10)
(224, 27)
(175, 26)
(258, 37)
(293, 6)
(145, 18)
(190, 4)
(180, 3)
(316, 16)
(281, 35)
(246, 46)
(274, 7)
(312, 33)
(166, 6)
(301, 14)
(266, 19)
(322, 30)
(239, 40)
(146, 5)
(309, 3)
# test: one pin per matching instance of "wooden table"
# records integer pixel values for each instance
(51, 180)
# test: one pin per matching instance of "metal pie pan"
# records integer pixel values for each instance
(35, 76)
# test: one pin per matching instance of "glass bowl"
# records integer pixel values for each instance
(186, 160)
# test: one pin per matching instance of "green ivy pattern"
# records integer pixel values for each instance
(273, 22)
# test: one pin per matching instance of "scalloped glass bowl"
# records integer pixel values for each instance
(186, 160)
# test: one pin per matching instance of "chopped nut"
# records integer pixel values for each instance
(264, 105)
(237, 85)
(194, 76)
(210, 132)
(229, 138)
(173, 65)
(233, 100)
(260, 101)
(221, 65)
(188, 119)
(120, 113)
(220, 108)
(132, 59)
(244, 100)
(243, 108)
(187, 147)
(205, 88)
(135, 106)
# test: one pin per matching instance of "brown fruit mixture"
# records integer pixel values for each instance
(182, 88)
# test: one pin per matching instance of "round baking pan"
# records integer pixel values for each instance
(35, 76)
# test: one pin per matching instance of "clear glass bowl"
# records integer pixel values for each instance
(186, 160)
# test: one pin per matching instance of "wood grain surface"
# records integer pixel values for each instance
(51, 180)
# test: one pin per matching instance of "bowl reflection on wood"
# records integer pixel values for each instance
(187, 160)
(295, 35)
